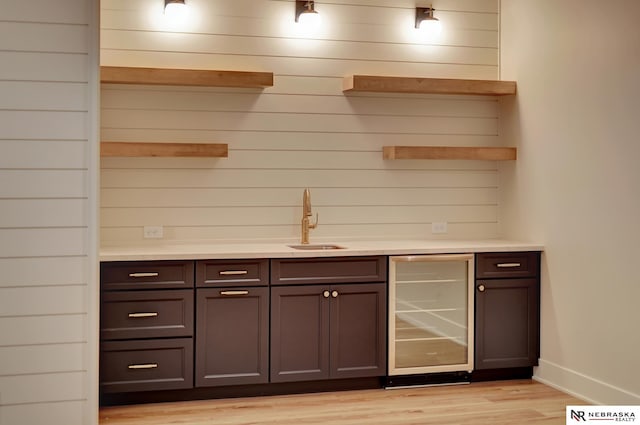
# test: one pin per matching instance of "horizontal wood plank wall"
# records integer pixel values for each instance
(303, 131)
(44, 196)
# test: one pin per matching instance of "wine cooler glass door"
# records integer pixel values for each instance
(430, 314)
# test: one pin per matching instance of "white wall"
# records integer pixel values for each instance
(48, 219)
(576, 183)
(303, 132)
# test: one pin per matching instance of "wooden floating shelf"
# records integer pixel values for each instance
(136, 149)
(184, 77)
(380, 84)
(448, 152)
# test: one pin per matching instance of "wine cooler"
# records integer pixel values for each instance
(430, 314)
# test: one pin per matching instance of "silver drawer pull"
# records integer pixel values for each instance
(233, 272)
(143, 366)
(231, 293)
(138, 315)
(152, 274)
(508, 265)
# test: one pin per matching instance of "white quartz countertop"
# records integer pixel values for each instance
(233, 250)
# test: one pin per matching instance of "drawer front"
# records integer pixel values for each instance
(507, 264)
(146, 365)
(146, 314)
(328, 270)
(146, 275)
(232, 273)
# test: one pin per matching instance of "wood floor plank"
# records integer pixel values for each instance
(496, 403)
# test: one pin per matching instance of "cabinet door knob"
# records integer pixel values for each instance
(326, 294)
(334, 294)
(481, 288)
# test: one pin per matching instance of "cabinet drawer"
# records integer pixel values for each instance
(328, 270)
(146, 275)
(147, 365)
(507, 264)
(232, 273)
(146, 314)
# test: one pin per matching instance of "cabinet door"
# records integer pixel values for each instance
(232, 336)
(507, 324)
(358, 330)
(299, 333)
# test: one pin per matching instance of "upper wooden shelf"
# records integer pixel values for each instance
(136, 149)
(184, 77)
(449, 152)
(371, 83)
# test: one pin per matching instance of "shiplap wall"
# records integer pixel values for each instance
(46, 362)
(304, 131)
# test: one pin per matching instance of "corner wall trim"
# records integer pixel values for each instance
(579, 385)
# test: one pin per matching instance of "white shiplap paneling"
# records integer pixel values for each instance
(68, 413)
(304, 131)
(42, 182)
(47, 288)
(46, 67)
(43, 330)
(36, 301)
(47, 271)
(34, 359)
(50, 37)
(42, 388)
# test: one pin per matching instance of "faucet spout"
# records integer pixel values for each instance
(306, 213)
(306, 203)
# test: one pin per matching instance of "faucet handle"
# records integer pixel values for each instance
(314, 225)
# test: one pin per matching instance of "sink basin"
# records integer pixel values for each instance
(311, 247)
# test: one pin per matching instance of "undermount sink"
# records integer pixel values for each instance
(322, 246)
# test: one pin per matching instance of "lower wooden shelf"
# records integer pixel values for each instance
(385, 84)
(450, 152)
(184, 77)
(137, 149)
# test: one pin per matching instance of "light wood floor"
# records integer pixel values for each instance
(490, 403)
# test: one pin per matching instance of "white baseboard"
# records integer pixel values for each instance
(591, 390)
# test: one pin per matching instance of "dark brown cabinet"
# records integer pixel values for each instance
(173, 325)
(507, 310)
(146, 326)
(232, 323)
(331, 330)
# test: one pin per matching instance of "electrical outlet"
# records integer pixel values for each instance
(153, 232)
(439, 227)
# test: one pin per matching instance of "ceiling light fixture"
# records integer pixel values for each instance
(426, 21)
(306, 13)
(174, 7)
